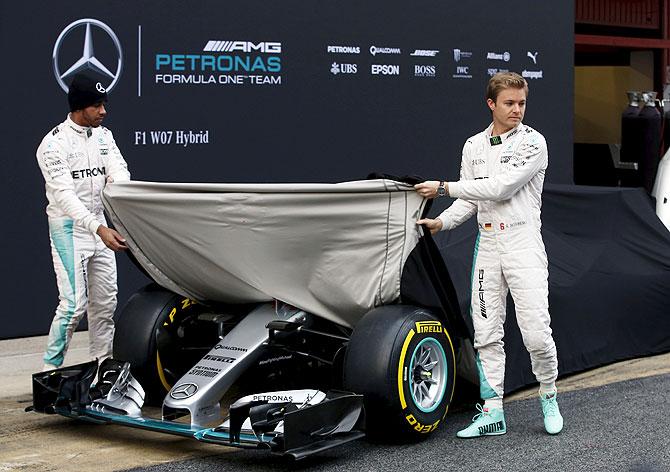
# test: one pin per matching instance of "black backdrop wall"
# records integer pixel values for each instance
(260, 91)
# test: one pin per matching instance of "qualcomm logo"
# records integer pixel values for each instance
(183, 391)
(374, 50)
(87, 61)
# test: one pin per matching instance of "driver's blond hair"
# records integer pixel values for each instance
(505, 80)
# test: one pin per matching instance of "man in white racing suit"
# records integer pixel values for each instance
(77, 159)
(502, 174)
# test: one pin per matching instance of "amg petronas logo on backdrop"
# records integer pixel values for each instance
(103, 69)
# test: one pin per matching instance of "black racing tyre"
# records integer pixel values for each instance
(158, 332)
(401, 358)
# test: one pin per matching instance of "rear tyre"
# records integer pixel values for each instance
(401, 358)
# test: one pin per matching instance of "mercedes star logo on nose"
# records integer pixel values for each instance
(88, 61)
(183, 391)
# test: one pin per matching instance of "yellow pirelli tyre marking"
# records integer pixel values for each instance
(161, 375)
(428, 327)
(453, 356)
(401, 363)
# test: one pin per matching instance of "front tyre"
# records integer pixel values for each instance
(160, 334)
(401, 358)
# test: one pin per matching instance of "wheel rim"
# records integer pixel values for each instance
(179, 346)
(428, 374)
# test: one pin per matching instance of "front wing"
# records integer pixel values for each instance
(294, 423)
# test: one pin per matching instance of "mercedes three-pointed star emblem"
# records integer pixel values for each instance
(87, 61)
(183, 391)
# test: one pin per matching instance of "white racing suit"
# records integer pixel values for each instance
(502, 183)
(76, 163)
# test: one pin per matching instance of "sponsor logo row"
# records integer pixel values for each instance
(220, 61)
(422, 70)
(460, 70)
(458, 54)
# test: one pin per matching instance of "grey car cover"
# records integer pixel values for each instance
(335, 250)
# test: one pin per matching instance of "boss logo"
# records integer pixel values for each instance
(425, 70)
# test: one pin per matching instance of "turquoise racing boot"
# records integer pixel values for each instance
(490, 422)
(553, 421)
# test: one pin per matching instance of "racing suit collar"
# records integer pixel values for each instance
(81, 130)
(503, 136)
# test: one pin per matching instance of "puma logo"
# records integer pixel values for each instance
(491, 428)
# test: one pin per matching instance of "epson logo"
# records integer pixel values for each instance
(344, 49)
(424, 71)
(242, 46)
(385, 69)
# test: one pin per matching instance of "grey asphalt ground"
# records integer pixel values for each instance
(616, 420)
(623, 426)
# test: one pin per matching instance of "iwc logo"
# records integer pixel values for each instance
(183, 391)
(88, 61)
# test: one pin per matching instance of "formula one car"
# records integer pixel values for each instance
(326, 299)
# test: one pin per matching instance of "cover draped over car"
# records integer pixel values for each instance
(335, 250)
